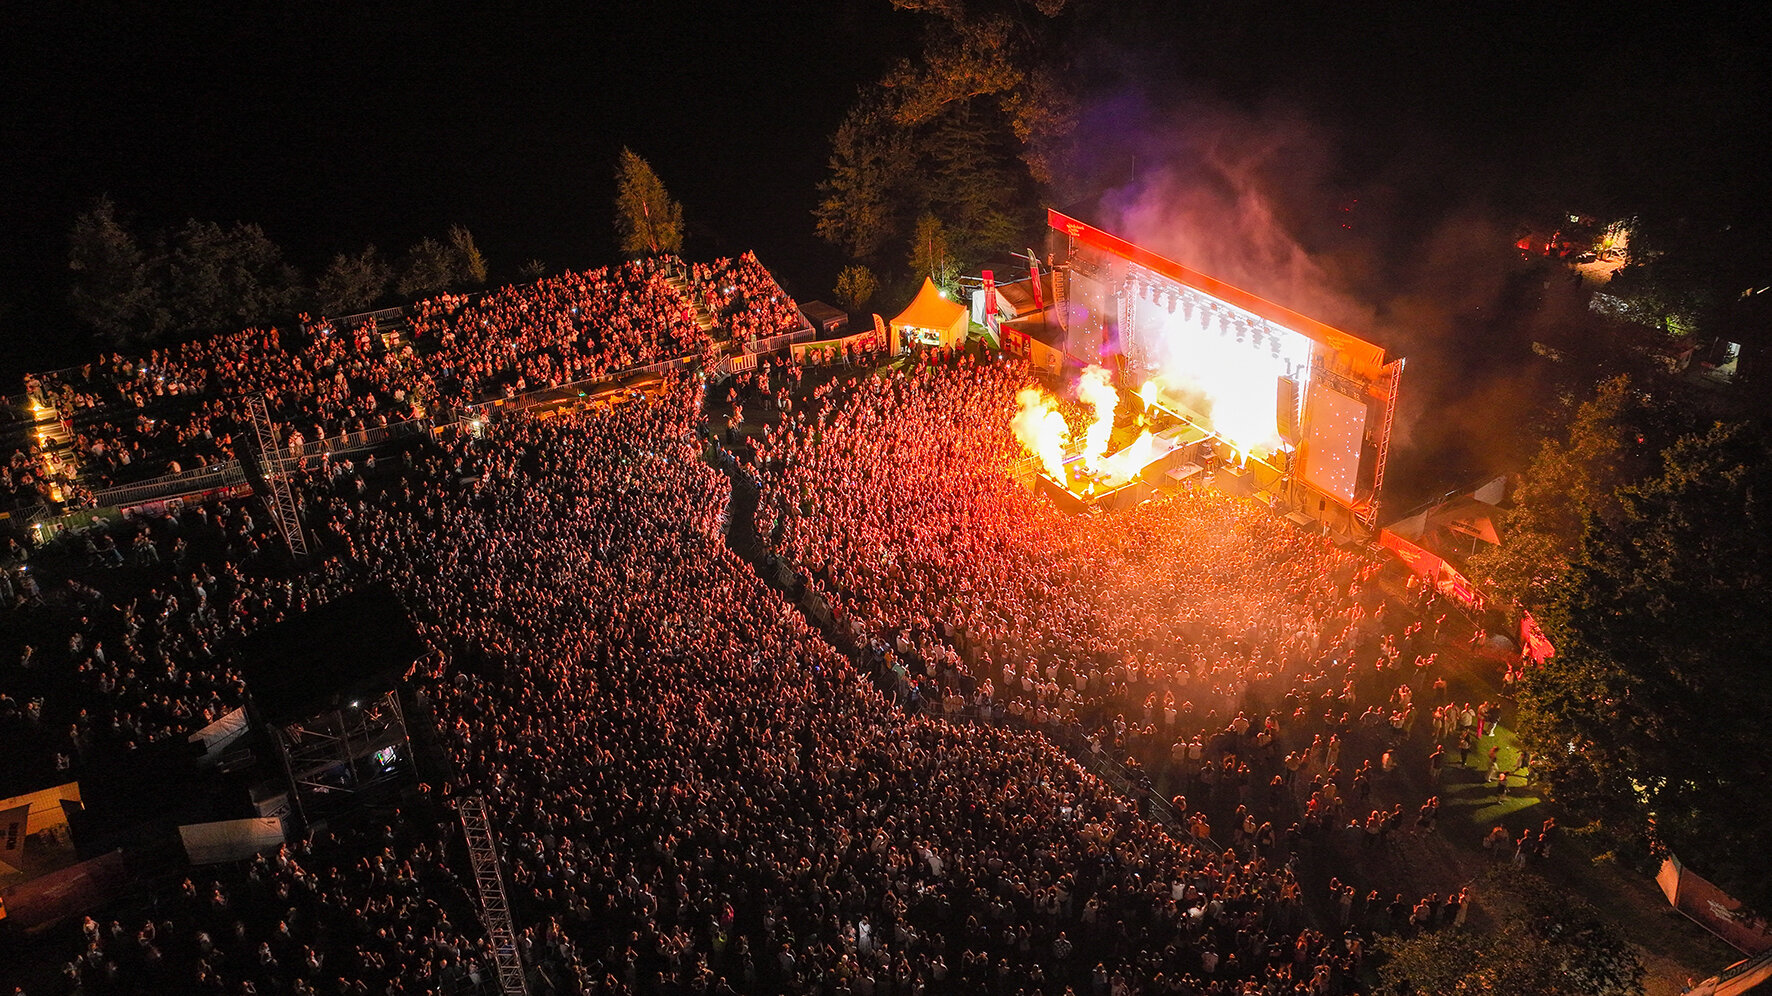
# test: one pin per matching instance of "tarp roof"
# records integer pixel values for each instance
(824, 316)
(352, 646)
(1020, 294)
(930, 310)
(230, 840)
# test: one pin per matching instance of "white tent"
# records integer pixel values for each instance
(230, 840)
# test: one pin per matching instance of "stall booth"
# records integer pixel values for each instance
(930, 320)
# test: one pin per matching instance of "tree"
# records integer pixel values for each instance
(868, 198)
(470, 266)
(1648, 719)
(224, 278)
(929, 252)
(855, 287)
(533, 269)
(1004, 54)
(975, 187)
(968, 132)
(353, 283)
(429, 267)
(110, 289)
(1608, 442)
(647, 220)
(1541, 941)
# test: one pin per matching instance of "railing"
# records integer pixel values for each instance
(742, 363)
(781, 340)
(219, 475)
(231, 473)
(349, 322)
(351, 442)
(541, 395)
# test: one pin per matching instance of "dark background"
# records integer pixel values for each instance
(334, 124)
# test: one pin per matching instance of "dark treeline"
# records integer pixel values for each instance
(132, 287)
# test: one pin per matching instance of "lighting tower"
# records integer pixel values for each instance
(495, 911)
(275, 464)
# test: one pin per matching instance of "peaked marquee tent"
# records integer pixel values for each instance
(930, 320)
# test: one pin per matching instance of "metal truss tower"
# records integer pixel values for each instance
(276, 465)
(495, 911)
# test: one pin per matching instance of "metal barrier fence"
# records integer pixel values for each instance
(231, 473)
(544, 395)
(202, 479)
(781, 340)
(349, 322)
(350, 442)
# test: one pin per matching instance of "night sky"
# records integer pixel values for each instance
(336, 124)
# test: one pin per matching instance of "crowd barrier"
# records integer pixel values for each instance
(351, 442)
(231, 474)
(219, 475)
(350, 322)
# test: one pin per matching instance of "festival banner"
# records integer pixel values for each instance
(1533, 643)
(1459, 588)
(1712, 908)
(1420, 561)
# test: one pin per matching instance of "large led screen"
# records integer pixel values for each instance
(1334, 429)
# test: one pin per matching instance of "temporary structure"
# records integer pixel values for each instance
(930, 320)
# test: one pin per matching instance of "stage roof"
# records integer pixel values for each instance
(930, 310)
(355, 645)
(1365, 358)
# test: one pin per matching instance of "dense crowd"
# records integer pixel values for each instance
(183, 406)
(138, 655)
(367, 909)
(744, 297)
(696, 792)
(895, 498)
(701, 786)
(558, 330)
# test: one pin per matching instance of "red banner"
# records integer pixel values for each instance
(1533, 642)
(1458, 587)
(1414, 557)
(1445, 578)
(1713, 909)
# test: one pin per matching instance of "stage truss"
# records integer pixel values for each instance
(1331, 396)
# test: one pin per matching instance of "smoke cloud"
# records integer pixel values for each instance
(1404, 250)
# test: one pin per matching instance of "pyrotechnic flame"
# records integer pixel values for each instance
(1097, 391)
(1121, 467)
(1042, 430)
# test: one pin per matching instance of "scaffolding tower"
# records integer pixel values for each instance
(275, 464)
(338, 754)
(495, 911)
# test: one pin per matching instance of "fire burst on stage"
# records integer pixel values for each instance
(1093, 471)
(1304, 411)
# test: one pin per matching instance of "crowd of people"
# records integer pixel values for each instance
(1253, 673)
(698, 790)
(744, 297)
(136, 653)
(375, 908)
(182, 407)
(558, 330)
(703, 791)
